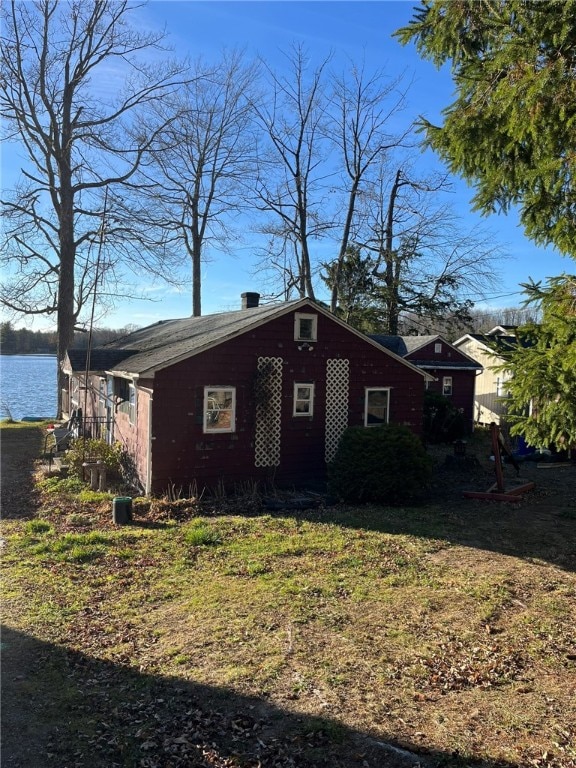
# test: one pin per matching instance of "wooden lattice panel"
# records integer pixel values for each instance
(268, 396)
(337, 378)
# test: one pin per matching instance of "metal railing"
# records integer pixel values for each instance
(94, 427)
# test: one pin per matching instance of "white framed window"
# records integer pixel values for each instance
(501, 387)
(219, 409)
(102, 397)
(447, 385)
(132, 403)
(74, 392)
(303, 400)
(305, 327)
(376, 406)
(437, 348)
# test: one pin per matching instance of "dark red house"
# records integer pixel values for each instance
(454, 373)
(260, 394)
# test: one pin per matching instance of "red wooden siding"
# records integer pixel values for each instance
(135, 437)
(182, 455)
(463, 381)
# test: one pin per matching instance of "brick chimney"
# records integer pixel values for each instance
(250, 300)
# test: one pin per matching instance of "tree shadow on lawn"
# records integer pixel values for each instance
(541, 526)
(20, 447)
(61, 707)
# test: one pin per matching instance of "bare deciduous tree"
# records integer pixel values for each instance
(422, 265)
(72, 83)
(360, 126)
(289, 185)
(424, 262)
(202, 162)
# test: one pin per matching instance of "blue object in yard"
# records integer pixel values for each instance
(523, 448)
(37, 418)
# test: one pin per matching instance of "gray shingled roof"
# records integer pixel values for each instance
(393, 343)
(415, 342)
(405, 345)
(169, 341)
(101, 359)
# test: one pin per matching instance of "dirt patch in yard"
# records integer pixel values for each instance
(536, 526)
(20, 447)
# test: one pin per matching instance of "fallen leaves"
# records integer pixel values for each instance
(457, 666)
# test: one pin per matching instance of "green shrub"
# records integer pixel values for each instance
(38, 526)
(87, 496)
(386, 465)
(95, 450)
(71, 485)
(198, 534)
(443, 422)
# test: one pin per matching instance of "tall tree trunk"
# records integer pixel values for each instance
(65, 313)
(344, 245)
(303, 222)
(196, 261)
(391, 273)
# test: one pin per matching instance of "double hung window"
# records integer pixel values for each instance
(219, 409)
(303, 399)
(132, 403)
(376, 406)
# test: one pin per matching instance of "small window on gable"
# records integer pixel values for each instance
(305, 327)
(376, 407)
(447, 385)
(437, 348)
(219, 409)
(303, 400)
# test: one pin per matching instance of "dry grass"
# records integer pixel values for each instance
(447, 630)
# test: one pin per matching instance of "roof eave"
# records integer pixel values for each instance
(122, 374)
(468, 337)
(437, 366)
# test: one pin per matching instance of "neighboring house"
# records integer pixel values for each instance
(490, 399)
(454, 371)
(260, 394)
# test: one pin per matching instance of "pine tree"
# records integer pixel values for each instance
(542, 390)
(511, 132)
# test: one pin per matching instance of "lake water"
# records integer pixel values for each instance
(28, 386)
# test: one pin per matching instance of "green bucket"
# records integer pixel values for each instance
(121, 510)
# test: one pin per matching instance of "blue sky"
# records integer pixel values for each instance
(350, 30)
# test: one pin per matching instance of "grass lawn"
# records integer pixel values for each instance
(239, 638)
